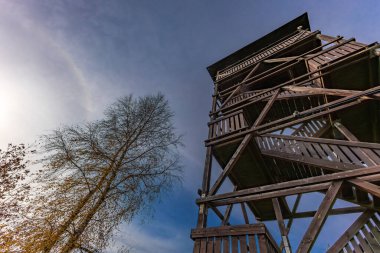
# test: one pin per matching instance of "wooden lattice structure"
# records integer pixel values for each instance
(294, 112)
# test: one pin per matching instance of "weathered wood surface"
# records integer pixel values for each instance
(233, 238)
(265, 54)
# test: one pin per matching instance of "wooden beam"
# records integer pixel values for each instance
(230, 96)
(219, 214)
(350, 232)
(251, 72)
(244, 211)
(228, 211)
(290, 221)
(227, 214)
(283, 59)
(319, 218)
(363, 172)
(281, 225)
(266, 109)
(325, 91)
(366, 186)
(337, 211)
(302, 117)
(231, 163)
(251, 229)
(274, 194)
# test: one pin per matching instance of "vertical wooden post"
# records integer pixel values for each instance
(202, 213)
(281, 225)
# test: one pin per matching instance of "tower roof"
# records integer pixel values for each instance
(264, 41)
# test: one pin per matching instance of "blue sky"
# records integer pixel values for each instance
(62, 62)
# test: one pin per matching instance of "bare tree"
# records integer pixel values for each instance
(101, 174)
(12, 171)
(13, 189)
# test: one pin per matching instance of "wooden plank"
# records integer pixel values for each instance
(252, 244)
(203, 245)
(242, 120)
(373, 237)
(374, 231)
(244, 211)
(366, 186)
(319, 218)
(356, 246)
(364, 244)
(348, 249)
(296, 183)
(232, 124)
(371, 240)
(330, 165)
(303, 119)
(330, 153)
(243, 244)
(227, 230)
(326, 141)
(363, 156)
(197, 245)
(231, 163)
(274, 194)
(281, 225)
(234, 245)
(210, 245)
(237, 123)
(340, 155)
(226, 245)
(262, 244)
(218, 245)
(338, 211)
(351, 155)
(350, 232)
(266, 109)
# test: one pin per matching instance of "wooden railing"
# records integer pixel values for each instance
(252, 238)
(362, 236)
(334, 53)
(263, 54)
(312, 128)
(349, 154)
(263, 95)
(330, 55)
(309, 157)
(228, 124)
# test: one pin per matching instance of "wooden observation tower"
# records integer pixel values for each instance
(294, 112)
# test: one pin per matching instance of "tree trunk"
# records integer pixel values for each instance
(70, 245)
(56, 236)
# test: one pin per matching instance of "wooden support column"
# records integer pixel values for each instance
(281, 225)
(202, 212)
(319, 218)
